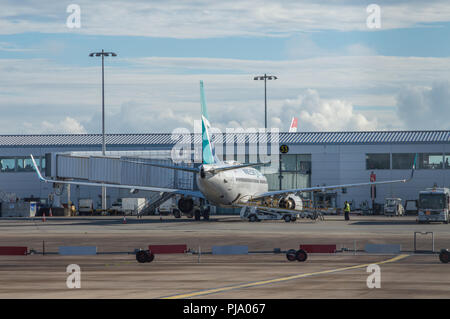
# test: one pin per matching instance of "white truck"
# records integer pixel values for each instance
(393, 207)
(169, 207)
(129, 206)
(85, 206)
(434, 205)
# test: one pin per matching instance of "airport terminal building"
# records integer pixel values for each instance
(304, 159)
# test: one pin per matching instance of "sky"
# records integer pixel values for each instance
(341, 65)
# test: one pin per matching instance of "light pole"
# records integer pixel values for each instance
(265, 77)
(103, 54)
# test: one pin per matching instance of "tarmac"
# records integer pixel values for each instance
(115, 273)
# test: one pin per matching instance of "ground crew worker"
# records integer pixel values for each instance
(73, 210)
(347, 210)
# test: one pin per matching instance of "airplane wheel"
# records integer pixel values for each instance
(144, 256)
(290, 255)
(444, 256)
(301, 255)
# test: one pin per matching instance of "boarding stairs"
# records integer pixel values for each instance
(156, 200)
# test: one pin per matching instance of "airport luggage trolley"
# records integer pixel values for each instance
(147, 256)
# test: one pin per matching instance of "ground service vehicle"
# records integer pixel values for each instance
(168, 207)
(411, 207)
(433, 205)
(393, 207)
(254, 214)
(128, 206)
(85, 206)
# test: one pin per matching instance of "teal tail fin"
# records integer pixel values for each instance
(208, 154)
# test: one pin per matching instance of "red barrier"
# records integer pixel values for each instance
(319, 249)
(10, 250)
(168, 249)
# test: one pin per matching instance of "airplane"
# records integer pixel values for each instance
(293, 127)
(223, 183)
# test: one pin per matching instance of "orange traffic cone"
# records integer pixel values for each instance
(43, 216)
(51, 215)
(124, 220)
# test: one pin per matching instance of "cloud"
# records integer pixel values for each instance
(206, 19)
(67, 126)
(12, 47)
(141, 97)
(317, 114)
(425, 107)
(302, 47)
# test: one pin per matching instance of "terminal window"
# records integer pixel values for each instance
(296, 163)
(20, 164)
(25, 164)
(7, 164)
(403, 160)
(378, 161)
(431, 161)
(447, 161)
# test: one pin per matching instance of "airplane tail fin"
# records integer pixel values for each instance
(293, 127)
(208, 154)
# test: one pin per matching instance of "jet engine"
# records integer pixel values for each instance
(185, 205)
(291, 201)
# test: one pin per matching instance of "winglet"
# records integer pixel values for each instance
(37, 169)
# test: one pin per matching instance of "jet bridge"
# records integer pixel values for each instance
(113, 168)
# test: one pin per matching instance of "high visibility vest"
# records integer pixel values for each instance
(347, 208)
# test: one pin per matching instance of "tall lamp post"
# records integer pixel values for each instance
(103, 54)
(265, 77)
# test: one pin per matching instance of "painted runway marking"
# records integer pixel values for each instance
(277, 280)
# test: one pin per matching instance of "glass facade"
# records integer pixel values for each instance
(20, 164)
(7, 164)
(378, 161)
(295, 171)
(431, 161)
(402, 160)
(406, 160)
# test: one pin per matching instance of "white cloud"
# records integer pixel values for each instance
(12, 47)
(158, 94)
(425, 107)
(203, 18)
(316, 114)
(67, 126)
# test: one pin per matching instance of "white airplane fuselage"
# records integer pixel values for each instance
(231, 186)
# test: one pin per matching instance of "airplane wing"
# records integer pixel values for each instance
(196, 170)
(326, 188)
(131, 187)
(230, 167)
